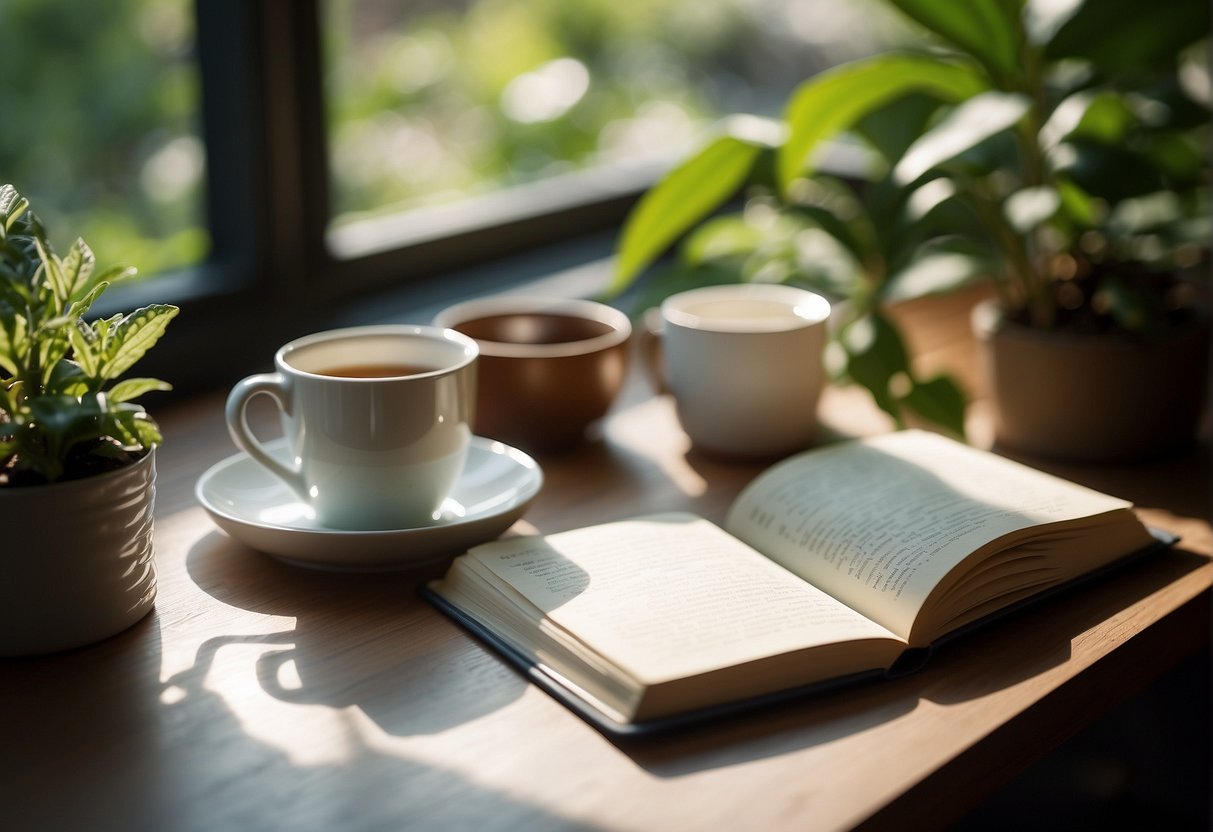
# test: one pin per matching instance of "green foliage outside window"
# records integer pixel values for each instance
(428, 101)
(98, 123)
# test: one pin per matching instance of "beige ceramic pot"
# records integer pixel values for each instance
(1091, 398)
(78, 566)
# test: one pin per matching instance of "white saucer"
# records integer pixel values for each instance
(497, 485)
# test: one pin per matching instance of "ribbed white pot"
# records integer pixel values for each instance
(76, 565)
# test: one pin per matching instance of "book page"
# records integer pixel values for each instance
(878, 523)
(670, 596)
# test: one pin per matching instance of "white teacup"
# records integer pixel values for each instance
(744, 363)
(377, 420)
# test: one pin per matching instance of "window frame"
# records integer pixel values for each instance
(277, 269)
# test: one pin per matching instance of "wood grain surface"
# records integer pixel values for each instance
(262, 696)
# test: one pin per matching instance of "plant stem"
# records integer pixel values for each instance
(1041, 312)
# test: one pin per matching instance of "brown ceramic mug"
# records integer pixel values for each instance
(549, 367)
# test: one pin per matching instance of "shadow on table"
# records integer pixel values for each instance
(1038, 637)
(355, 641)
(130, 750)
(961, 671)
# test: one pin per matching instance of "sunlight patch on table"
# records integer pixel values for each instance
(273, 709)
(650, 430)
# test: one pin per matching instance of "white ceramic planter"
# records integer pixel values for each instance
(78, 566)
(1091, 398)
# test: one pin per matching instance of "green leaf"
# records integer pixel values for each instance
(1180, 159)
(720, 237)
(1077, 203)
(936, 271)
(12, 342)
(63, 421)
(77, 267)
(834, 206)
(133, 336)
(875, 355)
(147, 432)
(8, 405)
(1124, 36)
(1030, 208)
(55, 277)
(86, 348)
(129, 425)
(939, 400)
(12, 207)
(112, 275)
(81, 305)
(988, 30)
(1111, 172)
(686, 195)
(897, 124)
(968, 125)
(1107, 118)
(825, 263)
(121, 426)
(67, 379)
(1043, 18)
(836, 99)
(132, 388)
(52, 346)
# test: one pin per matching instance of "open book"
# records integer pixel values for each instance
(835, 564)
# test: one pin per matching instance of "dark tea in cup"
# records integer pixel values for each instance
(376, 370)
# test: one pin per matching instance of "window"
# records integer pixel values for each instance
(100, 105)
(270, 160)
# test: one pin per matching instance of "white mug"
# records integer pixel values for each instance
(377, 421)
(744, 364)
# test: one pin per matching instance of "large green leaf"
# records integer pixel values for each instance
(988, 30)
(687, 194)
(971, 123)
(836, 99)
(875, 354)
(134, 336)
(1123, 36)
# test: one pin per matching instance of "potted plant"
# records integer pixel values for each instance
(77, 462)
(1063, 146)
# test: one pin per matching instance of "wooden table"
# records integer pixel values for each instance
(261, 696)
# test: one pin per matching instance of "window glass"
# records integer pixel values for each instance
(432, 101)
(99, 125)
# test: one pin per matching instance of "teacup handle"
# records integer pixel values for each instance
(649, 346)
(276, 387)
